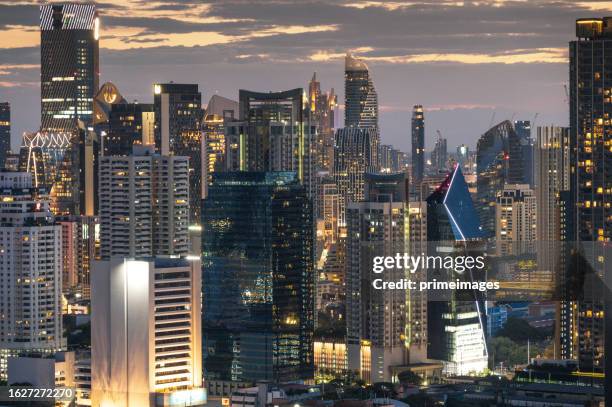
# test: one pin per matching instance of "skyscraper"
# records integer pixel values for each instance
(498, 162)
(178, 116)
(5, 131)
(515, 220)
(258, 278)
(455, 327)
(280, 134)
(219, 111)
(355, 153)
(145, 333)
(523, 130)
(322, 107)
(439, 156)
(69, 65)
(30, 270)
(591, 161)
(144, 205)
(128, 124)
(360, 97)
(418, 144)
(376, 319)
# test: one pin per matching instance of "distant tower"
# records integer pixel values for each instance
(69, 65)
(515, 220)
(5, 132)
(322, 109)
(418, 144)
(360, 97)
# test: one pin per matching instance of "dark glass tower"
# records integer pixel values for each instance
(418, 144)
(360, 97)
(591, 168)
(128, 124)
(498, 161)
(523, 130)
(455, 327)
(258, 278)
(5, 131)
(178, 117)
(69, 65)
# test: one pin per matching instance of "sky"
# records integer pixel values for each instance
(469, 63)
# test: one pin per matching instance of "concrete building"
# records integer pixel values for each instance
(515, 220)
(146, 335)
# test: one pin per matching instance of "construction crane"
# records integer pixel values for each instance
(566, 93)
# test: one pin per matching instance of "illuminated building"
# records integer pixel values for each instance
(418, 144)
(376, 319)
(178, 119)
(258, 278)
(515, 220)
(498, 162)
(439, 156)
(144, 205)
(360, 97)
(590, 95)
(455, 327)
(146, 333)
(330, 358)
(69, 65)
(219, 111)
(355, 153)
(5, 132)
(30, 291)
(322, 108)
(523, 131)
(279, 134)
(128, 124)
(327, 210)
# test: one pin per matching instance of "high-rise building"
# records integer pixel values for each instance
(128, 124)
(146, 333)
(219, 112)
(360, 97)
(376, 319)
(278, 135)
(178, 116)
(322, 107)
(439, 156)
(591, 160)
(418, 144)
(5, 132)
(258, 278)
(30, 271)
(523, 130)
(515, 220)
(355, 153)
(498, 162)
(69, 65)
(144, 205)
(455, 327)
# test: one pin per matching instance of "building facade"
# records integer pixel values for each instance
(5, 132)
(360, 97)
(418, 144)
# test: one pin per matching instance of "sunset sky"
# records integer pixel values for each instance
(464, 61)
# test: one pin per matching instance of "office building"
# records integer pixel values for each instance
(219, 111)
(128, 124)
(146, 333)
(30, 290)
(5, 132)
(591, 158)
(330, 358)
(515, 220)
(418, 144)
(276, 134)
(455, 327)
(144, 205)
(323, 113)
(258, 278)
(178, 117)
(69, 65)
(376, 319)
(439, 156)
(360, 97)
(498, 162)
(523, 131)
(355, 153)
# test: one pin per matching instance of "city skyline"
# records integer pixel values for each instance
(430, 54)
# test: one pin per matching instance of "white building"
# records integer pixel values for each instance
(30, 271)
(515, 219)
(146, 333)
(144, 204)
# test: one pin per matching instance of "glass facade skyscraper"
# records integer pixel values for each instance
(128, 124)
(258, 278)
(69, 65)
(5, 131)
(418, 143)
(360, 97)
